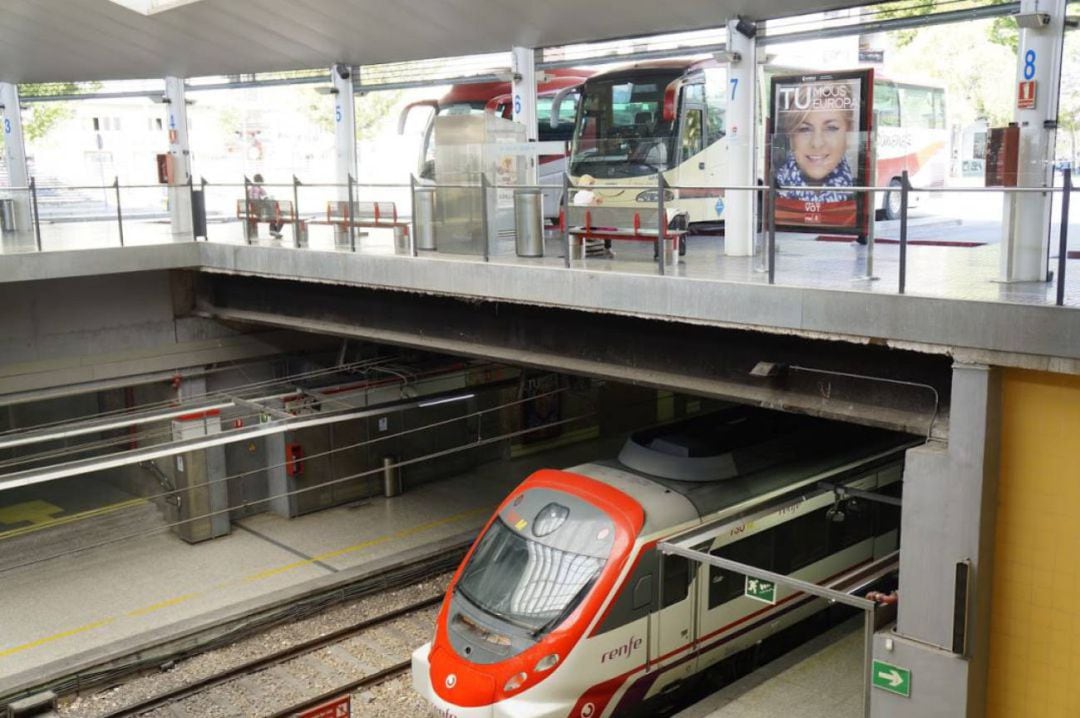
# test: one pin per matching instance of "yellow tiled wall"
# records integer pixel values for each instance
(1035, 606)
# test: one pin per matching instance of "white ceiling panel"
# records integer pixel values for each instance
(69, 40)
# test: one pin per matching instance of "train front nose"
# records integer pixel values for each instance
(453, 689)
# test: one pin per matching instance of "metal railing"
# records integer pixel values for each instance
(115, 206)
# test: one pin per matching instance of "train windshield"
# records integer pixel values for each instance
(530, 578)
(621, 130)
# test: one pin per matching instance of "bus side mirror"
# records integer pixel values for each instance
(556, 104)
(671, 97)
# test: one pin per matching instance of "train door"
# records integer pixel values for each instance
(673, 624)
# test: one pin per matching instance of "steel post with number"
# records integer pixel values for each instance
(661, 223)
(1063, 243)
(119, 212)
(15, 153)
(1025, 248)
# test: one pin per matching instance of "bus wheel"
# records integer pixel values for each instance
(892, 200)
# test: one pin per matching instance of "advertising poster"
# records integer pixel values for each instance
(821, 127)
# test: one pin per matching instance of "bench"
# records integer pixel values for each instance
(368, 215)
(586, 223)
(270, 211)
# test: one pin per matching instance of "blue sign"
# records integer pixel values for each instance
(7, 125)
(719, 206)
(1029, 64)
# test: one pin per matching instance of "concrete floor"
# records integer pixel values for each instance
(953, 272)
(820, 679)
(57, 612)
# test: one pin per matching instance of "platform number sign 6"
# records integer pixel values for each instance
(517, 104)
(1029, 64)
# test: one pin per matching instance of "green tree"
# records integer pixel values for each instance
(372, 109)
(44, 116)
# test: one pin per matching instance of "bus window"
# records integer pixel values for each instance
(919, 111)
(886, 105)
(716, 94)
(692, 136)
(567, 111)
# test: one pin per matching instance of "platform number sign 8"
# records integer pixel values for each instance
(1029, 64)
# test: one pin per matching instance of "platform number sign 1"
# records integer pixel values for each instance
(764, 591)
(890, 678)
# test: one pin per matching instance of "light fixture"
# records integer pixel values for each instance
(745, 28)
(768, 369)
(1032, 20)
(445, 400)
(732, 58)
(152, 7)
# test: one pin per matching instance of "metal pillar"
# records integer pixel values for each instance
(199, 474)
(180, 155)
(15, 152)
(345, 140)
(1025, 251)
(739, 205)
(523, 87)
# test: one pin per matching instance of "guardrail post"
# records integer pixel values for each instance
(247, 210)
(564, 217)
(905, 187)
(349, 214)
(661, 222)
(119, 213)
(202, 188)
(771, 239)
(296, 210)
(414, 248)
(37, 219)
(484, 215)
(1063, 244)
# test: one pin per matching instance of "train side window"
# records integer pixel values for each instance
(754, 551)
(676, 579)
(643, 592)
(805, 540)
(887, 516)
(858, 525)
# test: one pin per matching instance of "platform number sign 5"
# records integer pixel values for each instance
(337, 113)
(1029, 65)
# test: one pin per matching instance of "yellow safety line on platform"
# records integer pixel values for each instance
(167, 603)
(100, 511)
(55, 637)
(163, 604)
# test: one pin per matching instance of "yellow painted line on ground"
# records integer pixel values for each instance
(167, 603)
(69, 519)
(29, 512)
(55, 637)
(163, 604)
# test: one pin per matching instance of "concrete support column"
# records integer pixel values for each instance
(344, 137)
(15, 152)
(180, 156)
(199, 475)
(739, 118)
(523, 90)
(1026, 221)
(950, 495)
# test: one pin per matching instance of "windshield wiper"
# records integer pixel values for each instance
(567, 610)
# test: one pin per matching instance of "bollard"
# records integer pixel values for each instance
(425, 218)
(529, 222)
(401, 239)
(391, 477)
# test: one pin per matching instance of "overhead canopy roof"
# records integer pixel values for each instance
(71, 40)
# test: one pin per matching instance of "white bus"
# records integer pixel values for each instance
(668, 116)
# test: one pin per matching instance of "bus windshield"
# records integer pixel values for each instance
(621, 131)
(525, 582)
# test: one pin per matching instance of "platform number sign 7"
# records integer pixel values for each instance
(734, 86)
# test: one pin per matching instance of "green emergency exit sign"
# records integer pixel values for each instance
(759, 590)
(893, 679)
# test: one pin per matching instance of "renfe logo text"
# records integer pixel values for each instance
(622, 651)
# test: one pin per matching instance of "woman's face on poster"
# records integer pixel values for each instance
(819, 142)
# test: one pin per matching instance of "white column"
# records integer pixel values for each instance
(15, 152)
(739, 118)
(344, 125)
(523, 90)
(180, 153)
(1026, 220)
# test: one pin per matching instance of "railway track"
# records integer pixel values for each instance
(293, 679)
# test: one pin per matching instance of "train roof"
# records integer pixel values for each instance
(703, 466)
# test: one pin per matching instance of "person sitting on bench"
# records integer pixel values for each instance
(264, 205)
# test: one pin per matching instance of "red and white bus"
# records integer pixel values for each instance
(669, 116)
(495, 97)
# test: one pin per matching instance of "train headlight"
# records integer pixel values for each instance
(515, 682)
(549, 519)
(547, 663)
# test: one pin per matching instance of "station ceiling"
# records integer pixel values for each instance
(75, 40)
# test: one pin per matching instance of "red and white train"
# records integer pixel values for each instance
(562, 607)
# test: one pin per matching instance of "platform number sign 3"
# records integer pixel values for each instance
(7, 125)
